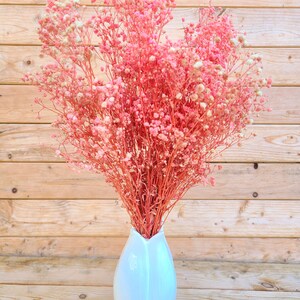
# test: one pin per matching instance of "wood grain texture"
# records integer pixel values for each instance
(260, 250)
(190, 274)
(193, 3)
(235, 181)
(197, 218)
(283, 64)
(52, 292)
(272, 27)
(17, 106)
(276, 143)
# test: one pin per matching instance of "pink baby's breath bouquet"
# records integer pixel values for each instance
(148, 112)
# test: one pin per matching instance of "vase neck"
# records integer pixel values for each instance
(160, 235)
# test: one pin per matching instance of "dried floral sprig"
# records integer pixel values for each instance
(147, 112)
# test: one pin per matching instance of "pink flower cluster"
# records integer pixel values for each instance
(147, 112)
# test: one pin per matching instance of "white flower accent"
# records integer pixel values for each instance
(152, 58)
(198, 64)
(172, 50)
(235, 42)
(256, 56)
(200, 88)
(194, 97)
(79, 24)
(179, 96)
(203, 105)
(249, 61)
(128, 156)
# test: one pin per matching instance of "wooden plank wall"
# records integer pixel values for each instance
(62, 232)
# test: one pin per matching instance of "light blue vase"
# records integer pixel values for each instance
(145, 270)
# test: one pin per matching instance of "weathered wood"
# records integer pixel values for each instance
(190, 274)
(285, 105)
(193, 3)
(15, 61)
(272, 27)
(194, 294)
(17, 106)
(272, 143)
(21, 22)
(236, 181)
(204, 249)
(197, 218)
(267, 27)
(51, 292)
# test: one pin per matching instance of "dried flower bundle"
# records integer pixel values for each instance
(147, 112)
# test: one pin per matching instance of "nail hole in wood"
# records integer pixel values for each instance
(14, 190)
(255, 166)
(28, 62)
(255, 194)
(267, 285)
(82, 296)
(9, 155)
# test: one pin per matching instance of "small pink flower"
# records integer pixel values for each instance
(198, 64)
(163, 137)
(152, 58)
(128, 156)
(178, 96)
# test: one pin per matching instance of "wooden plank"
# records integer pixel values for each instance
(17, 106)
(51, 292)
(235, 181)
(268, 27)
(197, 294)
(15, 61)
(190, 274)
(272, 143)
(54, 292)
(285, 104)
(192, 3)
(204, 249)
(272, 27)
(222, 218)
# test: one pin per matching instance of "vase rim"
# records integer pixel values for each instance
(134, 231)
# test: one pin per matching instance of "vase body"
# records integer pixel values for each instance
(145, 270)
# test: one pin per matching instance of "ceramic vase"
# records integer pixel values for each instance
(145, 270)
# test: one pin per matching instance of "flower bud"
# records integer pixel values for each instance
(198, 64)
(203, 105)
(179, 96)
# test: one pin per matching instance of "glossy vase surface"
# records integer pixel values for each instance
(145, 270)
